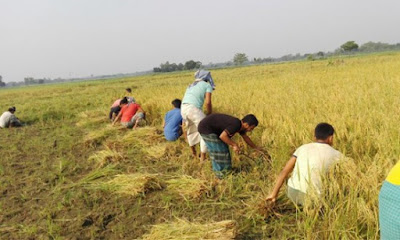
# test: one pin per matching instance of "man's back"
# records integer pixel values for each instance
(313, 159)
(173, 122)
(5, 119)
(128, 111)
(195, 94)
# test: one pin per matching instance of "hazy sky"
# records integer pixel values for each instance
(76, 38)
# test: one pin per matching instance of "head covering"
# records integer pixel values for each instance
(203, 75)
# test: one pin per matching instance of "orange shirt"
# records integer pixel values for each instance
(128, 111)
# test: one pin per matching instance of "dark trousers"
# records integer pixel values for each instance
(114, 110)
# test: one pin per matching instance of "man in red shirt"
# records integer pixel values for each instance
(130, 115)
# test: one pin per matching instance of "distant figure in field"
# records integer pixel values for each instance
(192, 104)
(172, 123)
(389, 205)
(130, 114)
(128, 94)
(217, 131)
(307, 164)
(9, 120)
(115, 108)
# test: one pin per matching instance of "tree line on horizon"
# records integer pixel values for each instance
(239, 59)
(348, 48)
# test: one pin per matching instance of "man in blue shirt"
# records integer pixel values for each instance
(173, 122)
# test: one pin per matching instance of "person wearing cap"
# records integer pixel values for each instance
(8, 119)
(192, 109)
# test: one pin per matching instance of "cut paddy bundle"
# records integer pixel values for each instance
(188, 187)
(96, 137)
(106, 156)
(183, 229)
(132, 184)
(149, 140)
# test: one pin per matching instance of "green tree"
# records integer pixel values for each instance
(349, 46)
(189, 65)
(240, 58)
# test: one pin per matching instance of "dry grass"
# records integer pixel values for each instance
(105, 157)
(94, 117)
(131, 184)
(188, 187)
(182, 229)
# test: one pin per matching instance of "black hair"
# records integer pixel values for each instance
(123, 101)
(250, 119)
(12, 109)
(323, 131)
(177, 103)
(129, 90)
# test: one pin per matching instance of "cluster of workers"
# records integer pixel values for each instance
(214, 132)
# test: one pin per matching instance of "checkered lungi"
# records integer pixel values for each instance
(219, 153)
(389, 211)
(192, 116)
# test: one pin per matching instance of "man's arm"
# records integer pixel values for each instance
(249, 142)
(117, 118)
(281, 178)
(226, 139)
(208, 103)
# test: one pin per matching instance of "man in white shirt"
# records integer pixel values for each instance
(8, 119)
(307, 164)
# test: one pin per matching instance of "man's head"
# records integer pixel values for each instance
(12, 109)
(324, 133)
(123, 102)
(176, 103)
(249, 122)
(128, 90)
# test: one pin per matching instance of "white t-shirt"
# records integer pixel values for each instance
(313, 159)
(5, 119)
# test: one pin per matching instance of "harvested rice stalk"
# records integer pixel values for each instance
(188, 187)
(131, 184)
(156, 150)
(95, 138)
(106, 156)
(144, 135)
(183, 229)
(91, 117)
(98, 173)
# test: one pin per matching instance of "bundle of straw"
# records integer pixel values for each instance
(132, 184)
(96, 137)
(188, 187)
(106, 156)
(183, 229)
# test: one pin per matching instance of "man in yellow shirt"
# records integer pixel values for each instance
(389, 205)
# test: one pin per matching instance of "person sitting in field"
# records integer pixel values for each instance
(9, 120)
(389, 205)
(192, 109)
(172, 123)
(130, 115)
(128, 94)
(115, 108)
(217, 131)
(307, 164)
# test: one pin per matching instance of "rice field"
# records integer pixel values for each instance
(69, 174)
